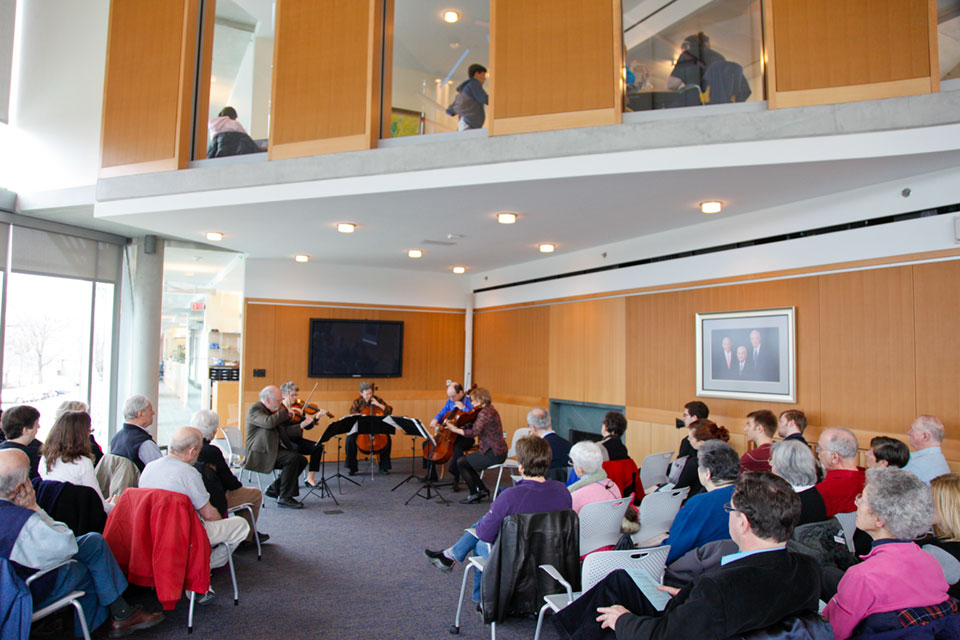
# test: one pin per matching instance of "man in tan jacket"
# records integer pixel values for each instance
(266, 428)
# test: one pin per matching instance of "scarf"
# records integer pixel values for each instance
(588, 479)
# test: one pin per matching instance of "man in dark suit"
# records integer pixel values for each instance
(267, 422)
(741, 368)
(753, 589)
(724, 360)
(763, 360)
(539, 420)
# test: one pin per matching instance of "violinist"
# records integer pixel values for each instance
(300, 421)
(370, 404)
(456, 399)
(492, 446)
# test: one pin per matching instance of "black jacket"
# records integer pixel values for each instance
(217, 477)
(512, 582)
(231, 143)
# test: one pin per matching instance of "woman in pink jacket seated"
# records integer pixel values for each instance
(894, 509)
(593, 485)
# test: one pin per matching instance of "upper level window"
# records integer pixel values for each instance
(435, 46)
(948, 36)
(685, 53)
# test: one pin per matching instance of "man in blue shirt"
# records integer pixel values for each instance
(927, 461)
(456, 399)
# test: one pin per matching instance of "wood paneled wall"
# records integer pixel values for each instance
(326, 77)
(148, 86)
(554, 64)
(824, 51)
(875, 348)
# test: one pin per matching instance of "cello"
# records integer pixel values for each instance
(372, 443)
(443, 451)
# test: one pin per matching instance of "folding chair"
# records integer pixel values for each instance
(657, 511)
(848, 522)
(653, 469)
(246, 506)
(600, 523)
(510, 462)
(71, 599)
(217, 551)
(596, 567)
(234, 444)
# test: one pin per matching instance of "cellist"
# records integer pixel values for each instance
(456, 399)
(366, 402)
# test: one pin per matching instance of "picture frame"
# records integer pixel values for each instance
(747, 355)
(405, 122)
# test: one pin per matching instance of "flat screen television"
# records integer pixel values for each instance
(355, 348)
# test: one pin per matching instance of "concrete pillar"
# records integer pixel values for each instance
(147, 298)
(468, 342)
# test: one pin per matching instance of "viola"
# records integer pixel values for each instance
(372, 443)
(300, 409)
(443, 451)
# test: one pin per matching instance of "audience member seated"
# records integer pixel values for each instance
(20, 426)
(692, 412)
(225, 490)
(32, 541)
(927, 461)
(491, 446)
(264, 420)
(894, 508)
(612, 428)
(75, 405)
(945, 543)
(532, 494)
(760, 428)
(792, 424)
(67, 456)
(753, 589)
(227, 136)
(539, 420)
(593, 484)
(702, 519)
(701, 431)
(837, 449)
(887, 452)
(793, 461)
(175, 472)
(133, 441)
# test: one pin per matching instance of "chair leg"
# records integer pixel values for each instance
(543, 610)
(493, 631)
(455, 629)
(233, 577)
(263, 498)
(193, 600)
(497, 488)
(83, 619)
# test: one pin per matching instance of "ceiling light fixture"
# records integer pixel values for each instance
(459, 269)
(450, 16)
(302, 258)
(506, 218)
(415, 253)
(547, 247)
(346, 227)
(214, 236)
(713, 206)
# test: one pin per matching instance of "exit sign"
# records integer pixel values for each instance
(197, 306)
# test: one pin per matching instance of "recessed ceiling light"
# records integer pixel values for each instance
(711, 207)
(547, 247)
(302, 258)
(414, 253)
(346, 227)
(459, 269)
(450, 16)
(214, 236)
(506, 218)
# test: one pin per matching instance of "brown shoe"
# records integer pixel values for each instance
(457, 487)
(136, 621)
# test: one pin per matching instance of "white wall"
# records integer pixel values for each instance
(313, 281)
(57, 95)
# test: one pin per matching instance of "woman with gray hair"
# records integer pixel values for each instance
(593, 484)
(793, 461)
(894, 509)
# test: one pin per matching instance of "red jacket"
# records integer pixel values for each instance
(159, 541)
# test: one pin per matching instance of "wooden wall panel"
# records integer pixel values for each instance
(587, 351)
(148, 86)
(887, 49)
(937, 318)
(867, 359)
(536, 41)
(326, 77)
(567, 356)
(510, 351)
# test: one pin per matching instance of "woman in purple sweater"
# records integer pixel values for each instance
(533, 494)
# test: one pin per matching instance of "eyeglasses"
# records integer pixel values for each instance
(857, 500)
(729, 508)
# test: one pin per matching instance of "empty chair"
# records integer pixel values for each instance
(511, 461)
(657, 512)
(600, 524)
(653, 469)
(848, 523)
(235, 447)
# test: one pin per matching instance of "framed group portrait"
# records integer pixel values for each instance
(748, 355)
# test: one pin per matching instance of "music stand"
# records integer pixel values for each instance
(413, 466)
(371, 425)
(322, 486)
(338, 475)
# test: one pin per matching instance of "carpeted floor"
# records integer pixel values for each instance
(355, 575)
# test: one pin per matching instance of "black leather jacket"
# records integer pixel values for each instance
(231, 143)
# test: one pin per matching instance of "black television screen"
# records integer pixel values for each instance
(355, 348)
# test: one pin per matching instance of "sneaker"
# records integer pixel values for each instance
(439, 560)
(208, 597)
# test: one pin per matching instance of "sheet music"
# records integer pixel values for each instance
(648, 586)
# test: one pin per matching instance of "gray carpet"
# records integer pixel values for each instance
(356, 575)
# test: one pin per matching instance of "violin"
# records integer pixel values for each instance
(300, 409)
(443, 451)
(372, 443)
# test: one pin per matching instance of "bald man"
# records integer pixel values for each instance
(175, 472)
(32, 541)
(837, 450)
(267, 422)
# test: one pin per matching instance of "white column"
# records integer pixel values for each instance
(147, 298)
(468, 342)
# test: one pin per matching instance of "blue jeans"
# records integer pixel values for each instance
(471, 543)
(96, 573)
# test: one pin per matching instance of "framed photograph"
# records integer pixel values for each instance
(404, 122)
(749, 355)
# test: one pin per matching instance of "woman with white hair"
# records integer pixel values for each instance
(593, 484)
(793, 461)
(894, 509)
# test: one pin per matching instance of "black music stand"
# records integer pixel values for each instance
(322, 487)
(339, 476)
(372, 425)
